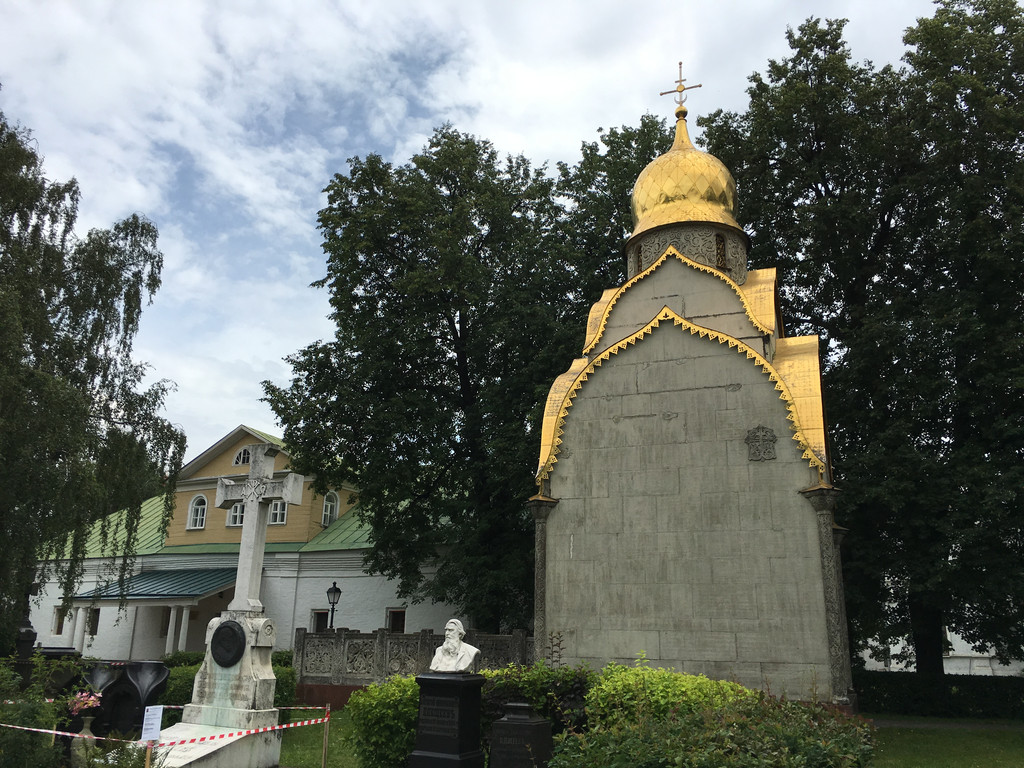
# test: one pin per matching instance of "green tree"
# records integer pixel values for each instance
(79, 439)
(447, 285)
(892, 200)
(599, 191)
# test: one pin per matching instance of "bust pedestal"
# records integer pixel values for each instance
(448, 726)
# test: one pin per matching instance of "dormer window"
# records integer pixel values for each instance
(242, 457)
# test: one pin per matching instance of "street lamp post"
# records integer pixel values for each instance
(333, 596)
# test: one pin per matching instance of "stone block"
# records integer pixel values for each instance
(739, 570)
(622, 644)
(706, 646)
(664, 374)
(638, 405)
(731, 425)
(616, 376)
(720, 511)
(726, 600)
(604, 515)
(795, 570)
(756, 511)
(639, 515)
(651, 482)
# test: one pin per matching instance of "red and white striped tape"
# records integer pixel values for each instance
(198, 740)
(235, 734)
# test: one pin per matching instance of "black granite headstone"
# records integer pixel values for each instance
(448, 726)
(520, 739)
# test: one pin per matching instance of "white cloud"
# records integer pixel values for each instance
(224, 121)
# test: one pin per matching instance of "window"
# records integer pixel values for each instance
(92, 623)
(278, 512)
(396, 620)
(320, 621)
(330, 509)
(197, 513)
(242, 457)
(236, 515)
(58, 621)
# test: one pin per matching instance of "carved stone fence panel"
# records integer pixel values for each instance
(347, 657)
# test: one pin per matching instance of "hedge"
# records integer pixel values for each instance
(907, 693)
(628, 716)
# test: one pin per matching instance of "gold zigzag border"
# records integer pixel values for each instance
(689, 262)
(705, 333)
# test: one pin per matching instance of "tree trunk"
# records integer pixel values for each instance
(926, 630)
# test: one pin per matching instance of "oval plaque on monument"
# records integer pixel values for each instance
(227, 646)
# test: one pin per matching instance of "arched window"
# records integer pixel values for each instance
(197, 512)
(330, 509)
(242, 457)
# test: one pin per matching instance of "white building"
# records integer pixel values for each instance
(185, 577)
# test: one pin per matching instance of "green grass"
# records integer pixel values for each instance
(303, 747)
(948, 747)
(910, 747)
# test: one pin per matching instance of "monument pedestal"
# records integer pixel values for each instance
(448, 726)
(233, 691)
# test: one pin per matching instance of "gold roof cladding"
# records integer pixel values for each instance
(799, 361)
(757, 296)
(683, 185)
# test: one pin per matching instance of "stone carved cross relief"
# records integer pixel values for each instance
(256, 493)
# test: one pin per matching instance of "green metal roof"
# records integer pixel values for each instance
(196, 582)
(150, 537)
(347, 532)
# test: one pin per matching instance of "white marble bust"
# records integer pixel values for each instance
(454, 655)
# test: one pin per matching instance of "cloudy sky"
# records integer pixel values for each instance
(223, 121)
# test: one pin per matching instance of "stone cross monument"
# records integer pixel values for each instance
(234, 688)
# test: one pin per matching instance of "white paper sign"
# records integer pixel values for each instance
(151, 723)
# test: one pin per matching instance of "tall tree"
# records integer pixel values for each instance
(892, 199)
(79, 439)
(598, 188)
(446, 281)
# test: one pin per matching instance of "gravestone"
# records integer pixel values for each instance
(234, 688)
(520, 739)
(448, 725)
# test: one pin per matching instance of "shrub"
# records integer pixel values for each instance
(384, 722)
(755, 731)
(557, 693)
(281, 658)
(640, 692)
(183, 659)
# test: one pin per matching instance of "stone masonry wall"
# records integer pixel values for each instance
(667, 539)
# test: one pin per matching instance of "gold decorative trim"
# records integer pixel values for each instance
(554, 424)
(596, 329)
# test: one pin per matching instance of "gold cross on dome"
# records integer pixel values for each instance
(680, 88)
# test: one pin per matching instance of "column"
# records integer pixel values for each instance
(81, 619)
(183, 630)
(73, 626)
(171, 628)
(823, 499)
(540, 506)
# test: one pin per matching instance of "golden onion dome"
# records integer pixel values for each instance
(682, 185)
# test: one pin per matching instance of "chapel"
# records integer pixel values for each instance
(685, 506)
